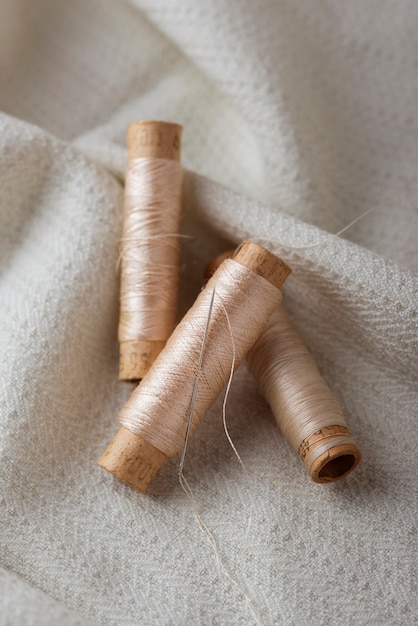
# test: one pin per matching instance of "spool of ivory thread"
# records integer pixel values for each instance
(305, 409)
(154, 420)
(149, 247)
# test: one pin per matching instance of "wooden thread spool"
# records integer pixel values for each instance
(340, 455)
(131, 457)
(148, 140)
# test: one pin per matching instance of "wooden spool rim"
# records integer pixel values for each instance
(335, 464)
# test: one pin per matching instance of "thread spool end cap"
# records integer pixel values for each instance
(262, 262)
(335, 463)
(154, 139)
(132, 460)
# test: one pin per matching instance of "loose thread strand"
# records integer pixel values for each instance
(337, 234)
(210, 537)
(231, 443)
(183, 481)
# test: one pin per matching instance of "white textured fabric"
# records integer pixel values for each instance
(298, 117)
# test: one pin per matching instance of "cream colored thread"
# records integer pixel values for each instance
(289, 379)
(228, 436)
(251, 604)
(158, 408)
(186, 486)
(210, 537)
(150, 249)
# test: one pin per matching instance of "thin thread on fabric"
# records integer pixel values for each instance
(252, 605)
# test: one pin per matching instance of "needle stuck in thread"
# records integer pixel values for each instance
(195, 386)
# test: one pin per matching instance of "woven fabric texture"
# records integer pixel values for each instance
(298, 117)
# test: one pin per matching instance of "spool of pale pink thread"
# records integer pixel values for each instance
(149, 247)
(305, 409)
(227, 318)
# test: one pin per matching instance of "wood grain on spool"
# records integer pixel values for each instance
(152, 140)
(131, 458)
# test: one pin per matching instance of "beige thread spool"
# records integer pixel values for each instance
(148, 140)
(328, 451)
(131, 457)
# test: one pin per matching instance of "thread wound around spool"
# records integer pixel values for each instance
(129, 456)
(330, 452)
(148, 139)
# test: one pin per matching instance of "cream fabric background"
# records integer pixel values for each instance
(298, 117)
